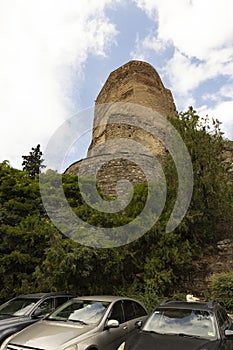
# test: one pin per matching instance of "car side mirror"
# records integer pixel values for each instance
(138, 324)
(112, 324)
(37, 314)
(228, 333)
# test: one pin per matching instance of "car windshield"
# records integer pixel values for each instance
(81, 311)
(196, 323)
(18, 306)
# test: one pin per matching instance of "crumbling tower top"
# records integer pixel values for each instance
(131, 88)
(135, 82)
(138, 82)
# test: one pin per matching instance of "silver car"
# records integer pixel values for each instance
(27, 309)
(83, 323)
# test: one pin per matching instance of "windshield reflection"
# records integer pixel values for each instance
(17, 307)
(82, 311)
(198, 323)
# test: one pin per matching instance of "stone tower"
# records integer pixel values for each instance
(135, 83)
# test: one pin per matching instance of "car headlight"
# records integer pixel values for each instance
(122, 346)
(6, 341)
(71, 347)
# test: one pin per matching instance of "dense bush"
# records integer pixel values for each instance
(35, 256)
(222, 289)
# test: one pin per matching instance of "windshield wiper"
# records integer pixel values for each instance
(154, 332)
(189, 335)
(79, 321)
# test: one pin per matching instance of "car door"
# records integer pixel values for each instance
(49, 304)
(223, 324)
(45, 307)
(111, 338)
(133, 312)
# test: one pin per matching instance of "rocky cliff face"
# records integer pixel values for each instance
(202, 270)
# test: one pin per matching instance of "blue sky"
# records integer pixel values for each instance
(56, 56)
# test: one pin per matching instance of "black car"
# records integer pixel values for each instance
(24, 310)
(179, 325)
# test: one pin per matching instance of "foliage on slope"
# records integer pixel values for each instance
(35, 256)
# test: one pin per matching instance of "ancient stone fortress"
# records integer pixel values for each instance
(137, 83)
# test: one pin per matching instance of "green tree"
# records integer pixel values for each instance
(35, 256)
(211, 203)
(221, 288)
(22, 249)
(162, 260)
(33, 162)
(23, 230)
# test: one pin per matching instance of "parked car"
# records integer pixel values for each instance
(179, 325)
(83, 323)
(23, 310)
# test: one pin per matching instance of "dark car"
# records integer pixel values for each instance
(179, 325)
(83, 323)
(23, 310)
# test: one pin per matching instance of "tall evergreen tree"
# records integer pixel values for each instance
(33, 162)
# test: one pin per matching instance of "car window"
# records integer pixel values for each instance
(198, 323)
(117, 312)
(223, 320)
(18, 306)
(225, 317)
(139, 310)
(83, 311)
(129, 311)
(46, 306)
(60, 300)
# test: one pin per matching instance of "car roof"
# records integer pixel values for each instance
(107, 298)
(188, 305)
(41, 295)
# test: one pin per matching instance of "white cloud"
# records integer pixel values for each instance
(225, 92)
(183, 74)
(44, 45)
(224, 113)
(195, 27)
(200, 29)
(143, 46)
(139, 52)
(201, 33)
(186, 75)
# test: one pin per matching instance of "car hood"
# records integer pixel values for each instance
(51, 334)
(3, 317)
(9, 320)
(151, 341)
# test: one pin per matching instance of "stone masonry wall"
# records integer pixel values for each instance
(136, 83)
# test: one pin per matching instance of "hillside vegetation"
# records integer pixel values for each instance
(35, 256)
